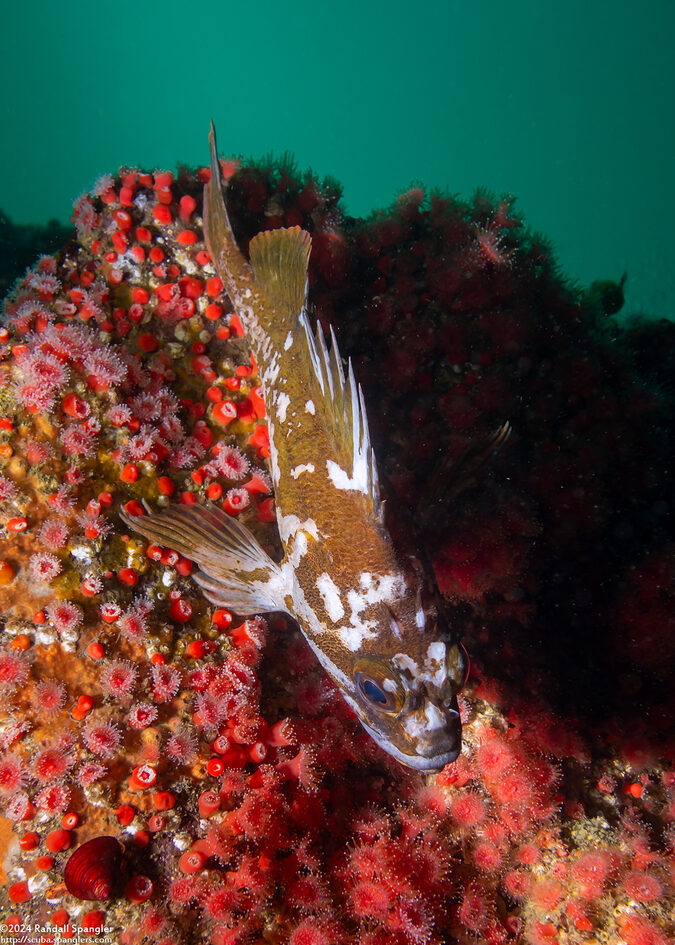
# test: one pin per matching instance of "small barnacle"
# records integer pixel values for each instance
(82, 553)
(182, 840)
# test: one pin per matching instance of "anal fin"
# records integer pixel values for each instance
(235, 571)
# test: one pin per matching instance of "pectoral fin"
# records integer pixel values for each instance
(452, 477)
(235, 571)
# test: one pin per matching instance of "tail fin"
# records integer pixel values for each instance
(280, 259)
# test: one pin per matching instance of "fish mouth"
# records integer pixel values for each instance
(419, 762)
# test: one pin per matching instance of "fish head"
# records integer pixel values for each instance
(406, 693)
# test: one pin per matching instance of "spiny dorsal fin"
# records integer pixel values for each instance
(340, 400)
(279, 259)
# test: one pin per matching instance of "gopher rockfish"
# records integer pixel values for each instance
(366, 604)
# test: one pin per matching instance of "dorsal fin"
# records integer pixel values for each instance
(279, 259)
(339, 400)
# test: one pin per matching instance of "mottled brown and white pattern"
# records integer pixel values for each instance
(367, 606)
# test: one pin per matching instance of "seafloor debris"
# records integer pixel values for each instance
(178, 774)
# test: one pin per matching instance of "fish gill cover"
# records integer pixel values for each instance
(173, 773)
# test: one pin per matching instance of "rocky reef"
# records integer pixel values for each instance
(173, 773)
(20, 246)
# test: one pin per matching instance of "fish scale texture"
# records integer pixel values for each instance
(251, 806)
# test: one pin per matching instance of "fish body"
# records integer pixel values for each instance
(367, 605)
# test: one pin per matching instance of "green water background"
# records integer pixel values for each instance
(568, 105)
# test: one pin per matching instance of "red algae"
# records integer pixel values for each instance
(249, 804)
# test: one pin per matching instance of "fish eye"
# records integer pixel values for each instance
(372, 691)
(375, 694)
